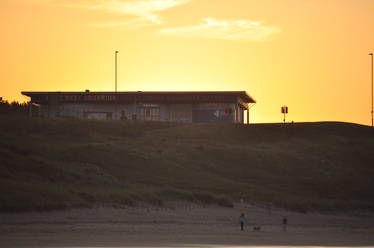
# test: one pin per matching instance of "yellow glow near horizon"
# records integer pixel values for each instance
(309, 55)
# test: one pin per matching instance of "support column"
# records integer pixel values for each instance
(133, 114)
(236, 113)
(247, 116)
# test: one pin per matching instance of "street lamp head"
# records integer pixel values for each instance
(116, 51)
(371, 54)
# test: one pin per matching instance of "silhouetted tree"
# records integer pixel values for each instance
(15, 108)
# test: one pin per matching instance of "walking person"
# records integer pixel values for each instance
(242, 220)
(284, 224)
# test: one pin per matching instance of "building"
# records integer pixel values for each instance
(211, 106)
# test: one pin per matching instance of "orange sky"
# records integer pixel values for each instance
(311, 55)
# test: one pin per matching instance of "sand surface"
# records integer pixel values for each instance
(185, 225)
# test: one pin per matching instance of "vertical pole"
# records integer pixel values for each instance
(115, 109)
(371, 54)
(241, 115)
(115, 55)
(236, 113)
(248, 116)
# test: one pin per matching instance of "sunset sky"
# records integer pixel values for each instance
(311, 55)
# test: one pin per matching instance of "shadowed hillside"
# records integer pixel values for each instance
(53, 164)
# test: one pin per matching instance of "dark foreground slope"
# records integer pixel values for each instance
(52, 164)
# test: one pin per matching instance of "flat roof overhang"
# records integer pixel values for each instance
(242, 97)
(242, 94)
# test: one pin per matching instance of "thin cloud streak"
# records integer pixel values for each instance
(225, 30)
(145, 10)
(130, 24)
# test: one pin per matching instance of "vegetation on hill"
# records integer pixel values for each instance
(16, 108)
(13, 108)
(55, 164)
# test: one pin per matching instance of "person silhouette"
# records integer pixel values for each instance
(284, 222)
(242, 220)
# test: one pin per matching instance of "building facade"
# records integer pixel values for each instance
(212, 106)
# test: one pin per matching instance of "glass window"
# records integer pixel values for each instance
(151, 113)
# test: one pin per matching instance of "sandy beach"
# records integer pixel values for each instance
(180, 224)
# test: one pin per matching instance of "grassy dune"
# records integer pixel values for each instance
(55, 164)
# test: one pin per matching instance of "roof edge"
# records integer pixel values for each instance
(243, 94)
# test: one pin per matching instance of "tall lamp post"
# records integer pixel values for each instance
(115, 55)
(115, 79)
(371, 54)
